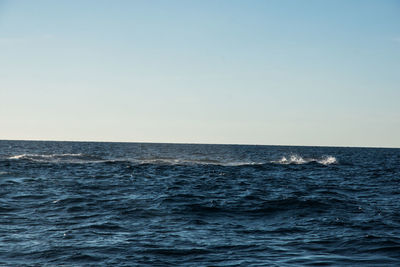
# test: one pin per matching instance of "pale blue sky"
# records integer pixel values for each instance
(249, 72)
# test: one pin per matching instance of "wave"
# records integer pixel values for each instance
(68, 157)
(293, 159)
(83, 158)
(30, 156)
(296, 159)
(87, 158)
(173, 161)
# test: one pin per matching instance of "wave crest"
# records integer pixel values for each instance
(85, 158)
(296, 159)
(70, 157)
(328, 160)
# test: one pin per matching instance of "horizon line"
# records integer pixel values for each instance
(193, 143)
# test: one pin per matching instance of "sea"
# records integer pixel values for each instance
(148, 204)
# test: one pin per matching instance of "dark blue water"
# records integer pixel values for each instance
(127, 204)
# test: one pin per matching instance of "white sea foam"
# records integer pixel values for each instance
(18, 156)
(47, 157)
(82, 158)
(296, 159)
(327, 160)
(293, 159)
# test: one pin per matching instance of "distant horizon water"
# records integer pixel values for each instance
(197, 143)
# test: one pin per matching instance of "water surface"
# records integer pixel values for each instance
(124, 204)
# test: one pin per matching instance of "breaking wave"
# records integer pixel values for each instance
(65, 157)
(296, 159)
(85, 158)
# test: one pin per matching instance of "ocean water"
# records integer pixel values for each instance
(137, 204)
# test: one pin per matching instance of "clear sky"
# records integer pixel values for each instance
(248, 72)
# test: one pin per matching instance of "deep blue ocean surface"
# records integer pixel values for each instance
(133, 204)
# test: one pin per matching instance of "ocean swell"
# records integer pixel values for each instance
(87, 158)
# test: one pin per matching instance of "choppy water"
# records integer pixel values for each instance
(127, 204)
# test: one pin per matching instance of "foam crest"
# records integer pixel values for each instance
(18, 156)
(328, 160)
(48, 157)
(296, 159)
(84, 158)
(293, 159)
